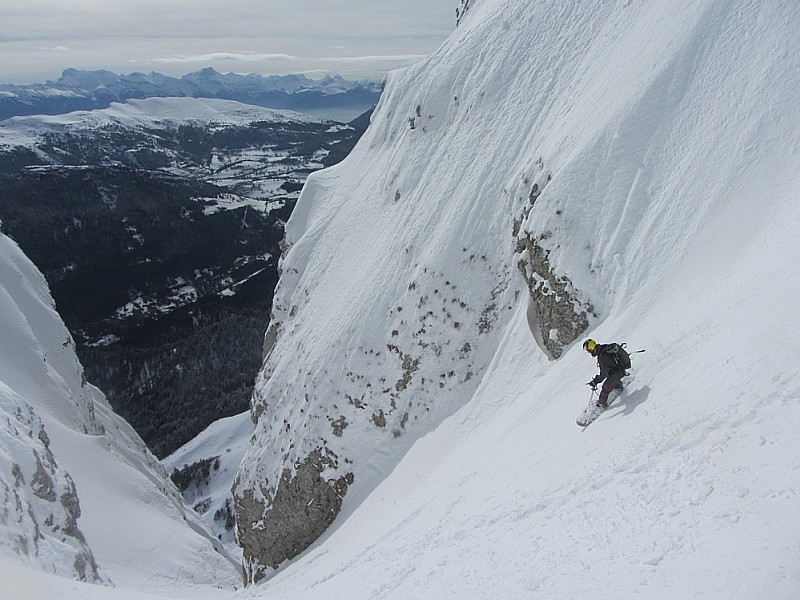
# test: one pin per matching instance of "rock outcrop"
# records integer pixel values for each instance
(560, 315)
(302, 507)
(39, 518)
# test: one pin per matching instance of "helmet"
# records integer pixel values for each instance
(589, 345)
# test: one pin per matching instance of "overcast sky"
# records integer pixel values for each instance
(355, 38)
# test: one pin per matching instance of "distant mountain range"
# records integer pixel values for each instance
(332, 97)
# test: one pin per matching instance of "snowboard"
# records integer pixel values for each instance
(591, 412)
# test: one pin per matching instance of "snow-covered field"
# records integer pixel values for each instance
(664, 139)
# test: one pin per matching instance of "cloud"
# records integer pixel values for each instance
(245, 57)
(252, 57)
(363, 37)
(404, 58)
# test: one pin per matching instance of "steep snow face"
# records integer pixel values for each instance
(556, 167)
(82, 496)
(39, 522)
(37, 357)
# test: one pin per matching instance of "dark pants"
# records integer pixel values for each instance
(611, 382)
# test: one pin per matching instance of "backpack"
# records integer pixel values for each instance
(620, 355)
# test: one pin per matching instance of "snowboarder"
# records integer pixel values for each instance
(611, 372)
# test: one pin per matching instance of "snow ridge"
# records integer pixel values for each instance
(149, 113)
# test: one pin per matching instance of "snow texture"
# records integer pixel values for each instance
(664, 141)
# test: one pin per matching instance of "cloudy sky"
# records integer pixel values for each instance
(355, 38)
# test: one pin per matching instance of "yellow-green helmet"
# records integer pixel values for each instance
(589, 345)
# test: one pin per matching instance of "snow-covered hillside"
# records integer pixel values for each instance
(625, 170)
(147, 114)
(83, 498)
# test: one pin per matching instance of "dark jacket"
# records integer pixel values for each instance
(605, 362)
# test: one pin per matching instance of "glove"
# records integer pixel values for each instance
(592, 385)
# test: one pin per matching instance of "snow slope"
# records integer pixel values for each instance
(83, 497)
(652, 157)
(663, 139)
(224, 442)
